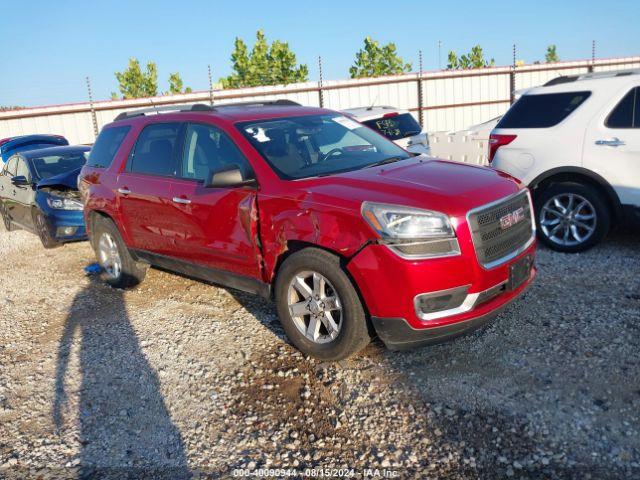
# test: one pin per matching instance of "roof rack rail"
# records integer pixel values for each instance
(196, 107)
(592, 76)
(201, 107)
(260, 103)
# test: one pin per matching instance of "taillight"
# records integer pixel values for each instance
(392, 114)
(496, 141)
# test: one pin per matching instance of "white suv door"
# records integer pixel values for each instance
(612, 145)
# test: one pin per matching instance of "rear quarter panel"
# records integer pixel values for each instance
(98, 185)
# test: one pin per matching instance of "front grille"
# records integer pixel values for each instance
(495, 238)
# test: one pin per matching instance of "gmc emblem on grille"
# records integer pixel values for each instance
(510, 219)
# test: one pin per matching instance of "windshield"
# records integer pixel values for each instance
(45, 167)
(395, 126)
(316, 145)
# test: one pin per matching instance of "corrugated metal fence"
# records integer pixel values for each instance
(450, 100)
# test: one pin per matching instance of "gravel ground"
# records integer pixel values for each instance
(180, 378)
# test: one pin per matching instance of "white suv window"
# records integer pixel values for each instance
(627, 113)
(542, 111)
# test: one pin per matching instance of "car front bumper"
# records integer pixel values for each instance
(66, 225)
(389, 286)
(397, 334)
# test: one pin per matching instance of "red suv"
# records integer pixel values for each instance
(350, 234)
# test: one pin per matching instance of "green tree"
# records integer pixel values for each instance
(473, 59)
(176, 85)
(134, 83)
(552, 55)
(266, 64)
(375, 60)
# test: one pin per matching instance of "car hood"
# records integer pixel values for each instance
(421, 182)
(67, 180)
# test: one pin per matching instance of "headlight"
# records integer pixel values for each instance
(412, 232)
(64, 203)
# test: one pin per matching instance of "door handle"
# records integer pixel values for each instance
(184, 201)
(616, 142)
(124, 191)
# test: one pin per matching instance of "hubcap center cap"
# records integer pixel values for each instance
(315, 307)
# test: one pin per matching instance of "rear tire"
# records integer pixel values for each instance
(120, 268)
(43, 229)
(331, 322)
(571, 217)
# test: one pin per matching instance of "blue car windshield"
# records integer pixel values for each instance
(318, 145)
(45, 167)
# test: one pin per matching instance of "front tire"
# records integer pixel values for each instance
(120, 269)
(319, 307)
(571, 217)
(43, 229)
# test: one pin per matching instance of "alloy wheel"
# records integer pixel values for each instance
(568, 219)
(109, 256)
(315, 307)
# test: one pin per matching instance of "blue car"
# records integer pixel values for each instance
(11, 145)
(39, 193)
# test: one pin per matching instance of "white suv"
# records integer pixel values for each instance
(395, 124)
(576, 143)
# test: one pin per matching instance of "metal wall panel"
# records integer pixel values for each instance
(451, 100)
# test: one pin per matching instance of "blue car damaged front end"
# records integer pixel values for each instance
(59, 200)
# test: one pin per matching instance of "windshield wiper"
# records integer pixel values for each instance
(386, 160)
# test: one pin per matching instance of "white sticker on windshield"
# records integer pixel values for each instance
(347, 122)
(259, 134)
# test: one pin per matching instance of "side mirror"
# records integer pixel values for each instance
(228, 177)
(20, 181)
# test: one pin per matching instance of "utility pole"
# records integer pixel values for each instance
(93, 110)
(210, 86)
(593, 55)
(420, 105)
(512, 78)
(439, 54)
(320, 93)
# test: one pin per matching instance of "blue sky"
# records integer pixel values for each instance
(48, 47)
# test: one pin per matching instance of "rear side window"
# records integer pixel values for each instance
(394, 126)
(154, 153)
(627, 113)
(542, 111)
(106, 146)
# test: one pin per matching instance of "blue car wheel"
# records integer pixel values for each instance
(44, 231)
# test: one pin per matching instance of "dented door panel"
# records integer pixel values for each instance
(218, 227)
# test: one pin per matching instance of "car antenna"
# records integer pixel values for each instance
(375, 100)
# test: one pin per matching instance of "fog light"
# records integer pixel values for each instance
(429, 303)
(66, 231)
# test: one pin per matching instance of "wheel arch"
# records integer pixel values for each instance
(583, 176)
(294, 246)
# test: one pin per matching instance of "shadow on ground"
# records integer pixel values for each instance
(124, 426)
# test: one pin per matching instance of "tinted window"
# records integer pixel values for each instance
(154, 150)
(395, 126)
(45, 167)
(542, 111)
(301, 147)
(106, 146)
(627, 113)
(207, 148)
